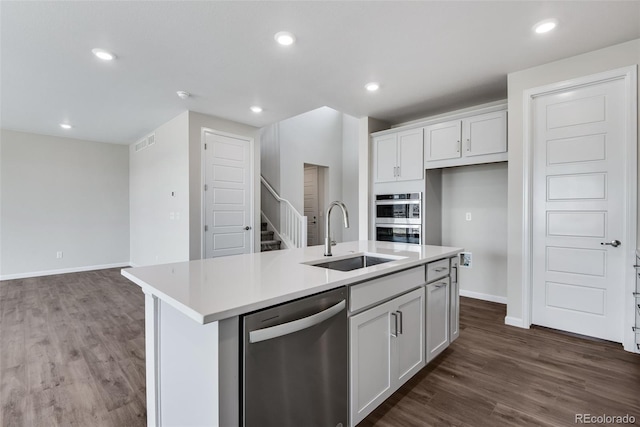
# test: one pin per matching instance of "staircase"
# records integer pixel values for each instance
(267, 242)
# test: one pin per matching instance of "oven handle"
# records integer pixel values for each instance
(398, 202)
(295, 326)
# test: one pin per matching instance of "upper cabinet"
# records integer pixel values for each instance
(471, 140)
(465, 137)
(398, 156)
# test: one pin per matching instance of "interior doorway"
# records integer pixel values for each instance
(314, 200)
(227, 194)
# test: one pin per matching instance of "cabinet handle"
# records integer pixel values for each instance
(468, 144)
(439, 285)
(400, 314)
(458, 147)
(439, 269)
(456, 276)
(395, 325)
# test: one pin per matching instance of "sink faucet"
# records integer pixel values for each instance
(327, 228)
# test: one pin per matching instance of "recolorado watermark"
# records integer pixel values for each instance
(604, 419)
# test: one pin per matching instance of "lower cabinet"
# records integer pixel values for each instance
(387, 348)
(438, 320)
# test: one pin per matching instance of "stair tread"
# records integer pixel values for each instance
(270, 242)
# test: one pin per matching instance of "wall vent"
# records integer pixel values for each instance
(145, 142)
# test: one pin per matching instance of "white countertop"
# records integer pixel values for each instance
(219, 288)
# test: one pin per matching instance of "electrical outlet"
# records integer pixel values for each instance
(465, 259)
(468, 216)
(59, 254)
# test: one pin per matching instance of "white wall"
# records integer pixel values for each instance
(482, 191)
(323, 137)
(155, 173)
(61, 194)
(198, 121)
(613, 57)
(350, 180)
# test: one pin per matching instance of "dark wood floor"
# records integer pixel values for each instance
(72, 353)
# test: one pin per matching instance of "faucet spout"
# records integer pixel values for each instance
(327, 228)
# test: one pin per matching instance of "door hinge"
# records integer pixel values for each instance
(205, 146)
(206, 228)
(206, 187)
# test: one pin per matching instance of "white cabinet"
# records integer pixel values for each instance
(454, 315)
(438, 309)
(386, 349)
(398, 156)
(471, 140)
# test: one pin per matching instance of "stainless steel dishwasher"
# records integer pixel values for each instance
(295, 361)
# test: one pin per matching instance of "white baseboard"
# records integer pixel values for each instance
(485, 297)
(63, 271)
(515, 321)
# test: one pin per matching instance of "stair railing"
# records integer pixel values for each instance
(293, 225)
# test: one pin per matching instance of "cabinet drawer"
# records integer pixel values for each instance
(437, 270)
(378, 290)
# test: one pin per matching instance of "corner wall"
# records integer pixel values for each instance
(160, 219)
(62, 194)
(610, 58)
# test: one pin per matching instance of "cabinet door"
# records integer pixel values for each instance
(385, 154)
(409, 343)
(442, 141)
(485, 134)
(454, 321)
(437, 318)
(410, 160)
(370, 360)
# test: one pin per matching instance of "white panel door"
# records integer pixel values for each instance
(485, 134)
(438, 305)
(410, 160)
(311, 204)
(228, 216)
(578, 204)
(442, 141)
(385, 151)
(409, 340)
(370, 360)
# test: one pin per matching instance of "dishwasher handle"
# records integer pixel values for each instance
(295, 326)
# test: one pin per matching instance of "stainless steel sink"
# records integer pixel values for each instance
(353, 263)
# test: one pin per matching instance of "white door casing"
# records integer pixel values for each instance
(311, 204)
(572, 203)
(228, 194)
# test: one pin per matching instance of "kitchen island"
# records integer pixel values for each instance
(192, 314)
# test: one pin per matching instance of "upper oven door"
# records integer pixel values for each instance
(398, 212)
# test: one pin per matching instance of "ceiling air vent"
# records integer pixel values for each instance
(151, 139)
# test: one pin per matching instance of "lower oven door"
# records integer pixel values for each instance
(399, 233)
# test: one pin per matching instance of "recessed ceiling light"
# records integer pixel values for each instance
(372, 87)
(256, 109)
(103, 54)
(183, 95)
(545, 26)
(285, 38)
(65, 126)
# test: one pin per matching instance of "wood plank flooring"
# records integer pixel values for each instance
(72, 353)
(497, 375)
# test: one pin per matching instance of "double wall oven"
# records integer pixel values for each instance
(398, 218)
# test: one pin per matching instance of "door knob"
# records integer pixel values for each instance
(247, 228)
(614, 243)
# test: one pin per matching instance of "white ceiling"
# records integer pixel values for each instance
(429, 56)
